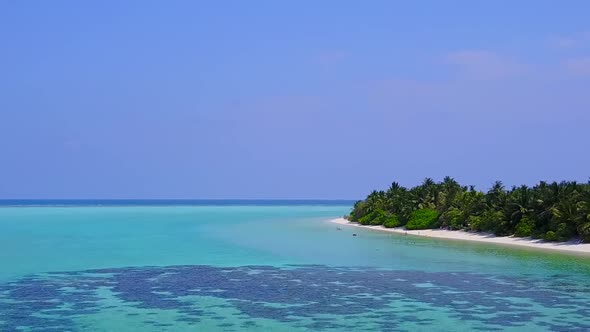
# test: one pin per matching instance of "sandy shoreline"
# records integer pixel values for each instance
(580, 248)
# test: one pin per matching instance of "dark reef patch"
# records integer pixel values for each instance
(303, 296)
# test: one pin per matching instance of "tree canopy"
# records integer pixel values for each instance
(551, 211)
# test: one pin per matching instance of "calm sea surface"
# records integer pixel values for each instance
(265, 265)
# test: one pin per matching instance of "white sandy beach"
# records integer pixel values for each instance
(581, 248)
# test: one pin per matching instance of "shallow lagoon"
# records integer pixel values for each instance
(276, 266)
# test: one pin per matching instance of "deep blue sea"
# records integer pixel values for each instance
(199, 265)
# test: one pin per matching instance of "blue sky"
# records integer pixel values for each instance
(289, 99)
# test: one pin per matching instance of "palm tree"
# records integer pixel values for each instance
(496, 196)
(396, 198)
(449, 189)
(519, 204)
(375, 201)
(583, 216)
(426, 194)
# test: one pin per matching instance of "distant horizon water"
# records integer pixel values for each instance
(171, 202)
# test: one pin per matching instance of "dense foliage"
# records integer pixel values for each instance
(422, 219)
(551, 211)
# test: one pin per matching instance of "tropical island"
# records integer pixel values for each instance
(547, 211)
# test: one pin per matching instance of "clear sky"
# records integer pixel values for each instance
(289, 99)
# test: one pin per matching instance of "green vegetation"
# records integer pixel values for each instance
(422, 219)
(551, 211)
(391, 221)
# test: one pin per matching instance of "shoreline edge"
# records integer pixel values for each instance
(568, 247)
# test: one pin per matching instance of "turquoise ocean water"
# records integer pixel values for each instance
(265, 265)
